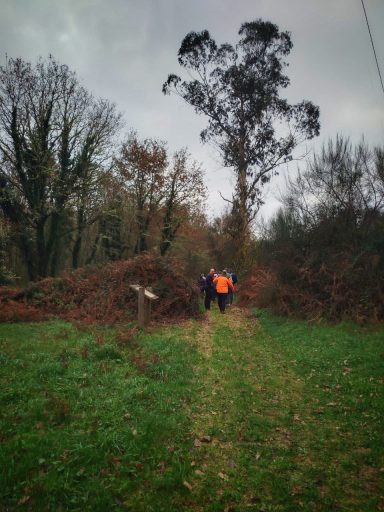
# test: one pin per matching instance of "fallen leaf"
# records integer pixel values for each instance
(258, 455)
(198, 472)
(23, 500)
(363, 450)
(254, 500)
(296, 489)
(197, 443)
(223, 476)
(116, 461)
(64, 455)
(205, 439)
(187, 485)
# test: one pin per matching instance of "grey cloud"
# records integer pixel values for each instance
(124, 49)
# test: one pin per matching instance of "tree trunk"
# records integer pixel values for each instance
(91, 257)
(168, 233)
(42, 263)
(143, 223)
(240, 231)
(79, 239)
(53, 245)
(28, 255)
(77, 248)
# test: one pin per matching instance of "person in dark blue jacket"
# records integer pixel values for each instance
(209, 289)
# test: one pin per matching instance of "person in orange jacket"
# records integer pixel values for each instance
(223, 284)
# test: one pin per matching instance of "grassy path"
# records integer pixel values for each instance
(285, 435)
(243, 386)
(291, 429)
(233, 413)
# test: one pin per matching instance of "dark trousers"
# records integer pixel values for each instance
(222, 300)
(208, 298)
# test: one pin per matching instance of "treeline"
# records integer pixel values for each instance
(73, 189)
(323, 252)
(72, 194)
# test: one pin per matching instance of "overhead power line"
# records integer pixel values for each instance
(373, 46)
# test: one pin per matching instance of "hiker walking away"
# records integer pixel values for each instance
(230, 292)
(202, 283)
(223, 284)
(209, 289)
(214, 294)
(233, 277)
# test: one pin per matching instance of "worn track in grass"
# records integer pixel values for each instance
(226, 414)
(264, 437)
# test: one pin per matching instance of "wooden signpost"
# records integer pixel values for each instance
(145, 298)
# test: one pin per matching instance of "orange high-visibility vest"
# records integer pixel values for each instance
(223, 284)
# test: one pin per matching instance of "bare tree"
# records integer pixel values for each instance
(185, 194)
(53, 136)
(94, 165)
(326, 244)
(341, 181)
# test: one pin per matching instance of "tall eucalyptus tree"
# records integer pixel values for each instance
(238, 89)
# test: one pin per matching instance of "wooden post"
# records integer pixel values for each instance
(147, 311)
(141, 311)
(145, 298)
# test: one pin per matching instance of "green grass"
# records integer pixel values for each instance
(294, 415)
(86, 425)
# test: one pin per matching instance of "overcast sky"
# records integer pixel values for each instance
(123, 50)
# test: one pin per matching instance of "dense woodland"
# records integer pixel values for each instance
(77, 190)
